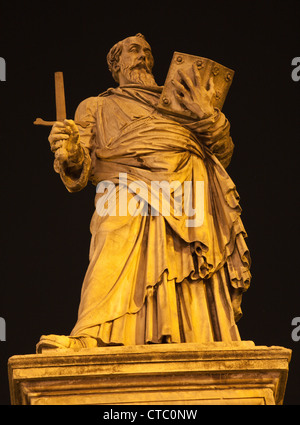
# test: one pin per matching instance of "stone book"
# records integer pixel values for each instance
(207, 68)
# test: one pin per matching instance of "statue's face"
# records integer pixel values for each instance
(136, 53)
(136, 62)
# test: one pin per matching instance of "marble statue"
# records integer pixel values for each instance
(157, 274)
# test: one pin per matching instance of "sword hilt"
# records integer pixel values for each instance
(40, 121)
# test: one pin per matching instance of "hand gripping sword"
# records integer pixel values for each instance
(60, 101)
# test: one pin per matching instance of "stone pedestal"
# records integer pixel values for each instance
(217, 373)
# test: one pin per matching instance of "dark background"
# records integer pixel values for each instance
(45, 230)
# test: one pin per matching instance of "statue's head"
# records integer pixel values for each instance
(131, 61)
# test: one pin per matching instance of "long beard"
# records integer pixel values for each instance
(139, 76)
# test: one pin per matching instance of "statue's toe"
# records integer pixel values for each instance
(47, 342)
(54, 342)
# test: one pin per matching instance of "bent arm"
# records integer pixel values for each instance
(211, 128)
(75, 175)
(214, 133)
(75, 168)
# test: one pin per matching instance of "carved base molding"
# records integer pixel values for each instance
(216, 373)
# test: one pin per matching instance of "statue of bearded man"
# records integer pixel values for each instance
(152, 278)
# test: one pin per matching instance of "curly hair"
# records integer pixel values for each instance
(114, 55)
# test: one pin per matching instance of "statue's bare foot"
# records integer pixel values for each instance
(65, 342)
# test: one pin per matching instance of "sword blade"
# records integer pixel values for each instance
(60, 100)
(60, 96)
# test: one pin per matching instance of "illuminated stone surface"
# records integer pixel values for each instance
(154, 278)
(215, 373)
(165, 272)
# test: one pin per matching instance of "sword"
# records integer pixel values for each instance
(60, 101)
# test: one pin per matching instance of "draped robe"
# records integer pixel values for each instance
(151, 278)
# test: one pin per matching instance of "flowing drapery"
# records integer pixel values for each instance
(152, 278)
